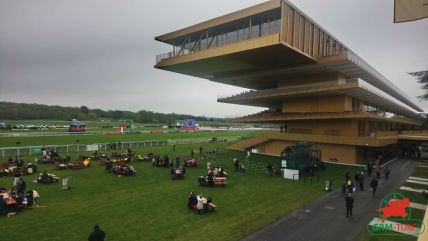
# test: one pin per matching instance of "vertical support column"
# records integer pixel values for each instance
(249, 29)
(173, 49)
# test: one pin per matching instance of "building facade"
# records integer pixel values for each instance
(312, 85)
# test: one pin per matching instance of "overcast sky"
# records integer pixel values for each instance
(100, 53)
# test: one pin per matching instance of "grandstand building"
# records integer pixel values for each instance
(313, 86)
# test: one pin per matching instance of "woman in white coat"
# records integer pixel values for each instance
(200, 205)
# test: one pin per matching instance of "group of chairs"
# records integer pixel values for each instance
(47, 178)
(7, 169)
(178, 173)
(200, 204)
(121, 169)
(13, 201)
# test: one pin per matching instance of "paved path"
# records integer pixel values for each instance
(325, 218)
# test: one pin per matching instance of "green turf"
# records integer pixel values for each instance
(415, 185)
(150, 206)
(90, 139)
(421, 172)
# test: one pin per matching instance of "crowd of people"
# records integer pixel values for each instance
(17, 198)
(17, 167)
(51, 156)
(120, 169)
(178, 173)
(238, 165)
(47, 178)
(163, 161)
(350, 186)
(199, 203)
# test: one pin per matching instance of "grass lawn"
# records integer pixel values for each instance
(91, 139)
(151, 206)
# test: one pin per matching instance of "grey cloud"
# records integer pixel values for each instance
(101, 53)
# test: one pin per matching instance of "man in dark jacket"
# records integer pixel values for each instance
(21, 186)
(369, 169)
(373, 185)
(361, 181)
(97, 234)
(349, 205)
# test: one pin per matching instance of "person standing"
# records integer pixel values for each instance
(361, 181)
(17, 175)
(347, 176)
(357, 178)
(269, 169)
(378, 171)
(177, 162)
(349, 200)
(386, 172)
(97, 234)
(173, 147)
(369, 169)
(236, 164)
(192, 201)
(21, 185)
(373, 185)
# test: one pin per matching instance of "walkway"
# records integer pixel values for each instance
(325, 218)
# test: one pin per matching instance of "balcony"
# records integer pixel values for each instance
(208, 40)
(279, 117)
(376, 100)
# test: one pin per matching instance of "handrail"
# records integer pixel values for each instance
(284, 90)
(223, 40)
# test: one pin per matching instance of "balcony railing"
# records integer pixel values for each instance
(210, 41)
(285, 90)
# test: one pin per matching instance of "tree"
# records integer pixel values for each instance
(84, 109)
(117, 114)
(422, 77)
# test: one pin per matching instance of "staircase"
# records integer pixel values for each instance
(250, 142)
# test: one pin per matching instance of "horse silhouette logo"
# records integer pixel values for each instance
(394, 208)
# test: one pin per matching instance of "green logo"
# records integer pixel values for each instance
(395, 218)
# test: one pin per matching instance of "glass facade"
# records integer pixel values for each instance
(230, 33)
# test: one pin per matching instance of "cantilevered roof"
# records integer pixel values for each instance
(349, 65)
(215, 22)
(356, 88)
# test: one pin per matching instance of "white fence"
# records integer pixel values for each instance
(89, 133)
(32, 150)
